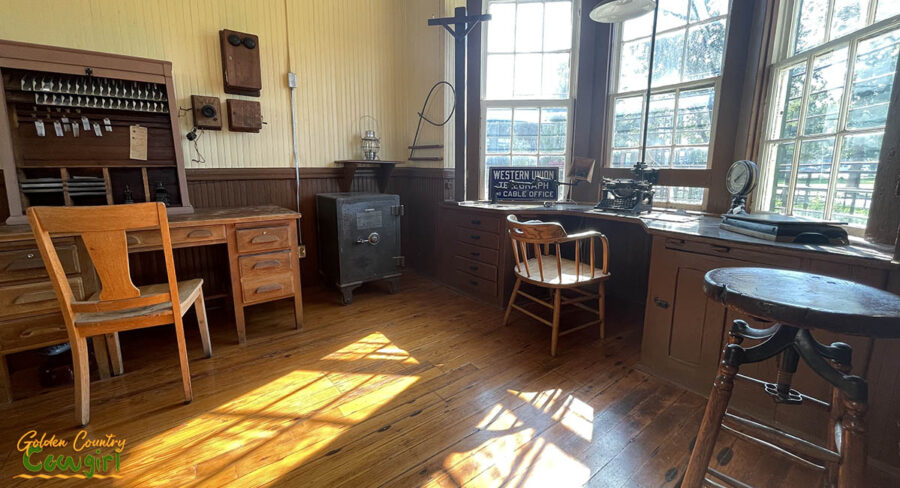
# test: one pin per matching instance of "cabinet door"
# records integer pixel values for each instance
(682, 337)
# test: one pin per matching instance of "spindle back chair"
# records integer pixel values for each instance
(557, 273)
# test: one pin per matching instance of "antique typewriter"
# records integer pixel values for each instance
(628, 195)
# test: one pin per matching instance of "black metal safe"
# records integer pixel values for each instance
(359, 239)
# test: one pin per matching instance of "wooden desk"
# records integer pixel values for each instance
(262, 257)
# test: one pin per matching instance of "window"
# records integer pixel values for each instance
(688, 57)
(831, 88)
(528, 84)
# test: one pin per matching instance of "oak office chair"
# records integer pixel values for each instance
(119, 305)
(556, 272)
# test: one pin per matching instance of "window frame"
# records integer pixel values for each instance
(702, 174)
(785, 38)
(540, 103)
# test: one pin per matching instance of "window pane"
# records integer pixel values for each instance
(873, 79)
(635, 58)
(826, 87)
(627, 122)
(624, 158)
(886, 8)
(672, 13)
(781, 158)
(813, 176)
(789, 96)
(525, 130)
(499, 82)
(555, 83)
(557, 26)
(810, 26)
(848, 16)
(856, 177)
(498, 122)
(527, 75)
(524, 161)
(662, 119)
(691, 157)
(705, 46)
(553, 130)
(694, 116)
(497, 161)
(685, 195)
(706, 9)
(667, 56)
(529, 25)
(658, 157)
(501, 28)
(558, 161)
(639, 27)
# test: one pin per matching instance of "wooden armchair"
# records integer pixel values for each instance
(119, 305)
(556, 272)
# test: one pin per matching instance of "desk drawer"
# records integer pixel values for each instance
(181, 236)
(481, 270)
(265, 264)
(34, 297)
(267, 287)
(478, 238)
(28, 332)
(476, 221)
(486, 289)
(481, 254)
(262, 239)
(23, 264)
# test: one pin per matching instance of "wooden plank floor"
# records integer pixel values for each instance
(420, 388)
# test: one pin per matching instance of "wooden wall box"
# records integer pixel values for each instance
(241, 72)
(244, 116)
(207, 112)
(91, 99)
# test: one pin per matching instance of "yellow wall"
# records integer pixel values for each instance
(352, 57)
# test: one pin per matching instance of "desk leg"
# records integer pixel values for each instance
(115, 353)
(295, 265)
(236, 293)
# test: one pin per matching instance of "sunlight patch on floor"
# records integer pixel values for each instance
(263, 434)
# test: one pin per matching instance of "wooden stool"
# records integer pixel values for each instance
(557, 273)
(796, 303)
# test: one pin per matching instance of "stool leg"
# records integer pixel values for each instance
(709, 427)
(834, 423)
(852, 470)
(554, 339)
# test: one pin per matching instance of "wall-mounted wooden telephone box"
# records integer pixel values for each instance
(240, 63)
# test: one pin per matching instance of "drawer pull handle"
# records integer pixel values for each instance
(476, 222)
(264, 238)
(475, 237)
(268, 263)
(473, 268)
(660, 302)
(29, 255)
(35, 297)
(199, 233)
(269, 288)
(722, 249)
(473, 282)
(476, 254)
(133, 239)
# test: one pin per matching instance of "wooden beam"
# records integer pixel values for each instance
(884, 220)
(473, 105)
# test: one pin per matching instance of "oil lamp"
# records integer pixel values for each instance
(370, 143)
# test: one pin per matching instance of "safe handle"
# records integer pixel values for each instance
(373, 239)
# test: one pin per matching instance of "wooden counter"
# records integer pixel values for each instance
(659, 260)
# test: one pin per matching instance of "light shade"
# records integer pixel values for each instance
(612, 11)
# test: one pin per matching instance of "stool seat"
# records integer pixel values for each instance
(806, 301)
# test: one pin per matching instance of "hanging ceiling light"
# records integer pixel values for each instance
(612, 11)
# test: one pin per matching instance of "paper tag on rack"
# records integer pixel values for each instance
(65, 124)
(85, 124)
(107, 124)
(57, 127)
(39, 128)
(138, 142)
(97, 131)
(75, 129)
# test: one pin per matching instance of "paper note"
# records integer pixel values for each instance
(138, 143)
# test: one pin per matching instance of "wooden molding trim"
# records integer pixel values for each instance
(240, 174)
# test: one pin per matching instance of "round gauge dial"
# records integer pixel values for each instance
(741, 177)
